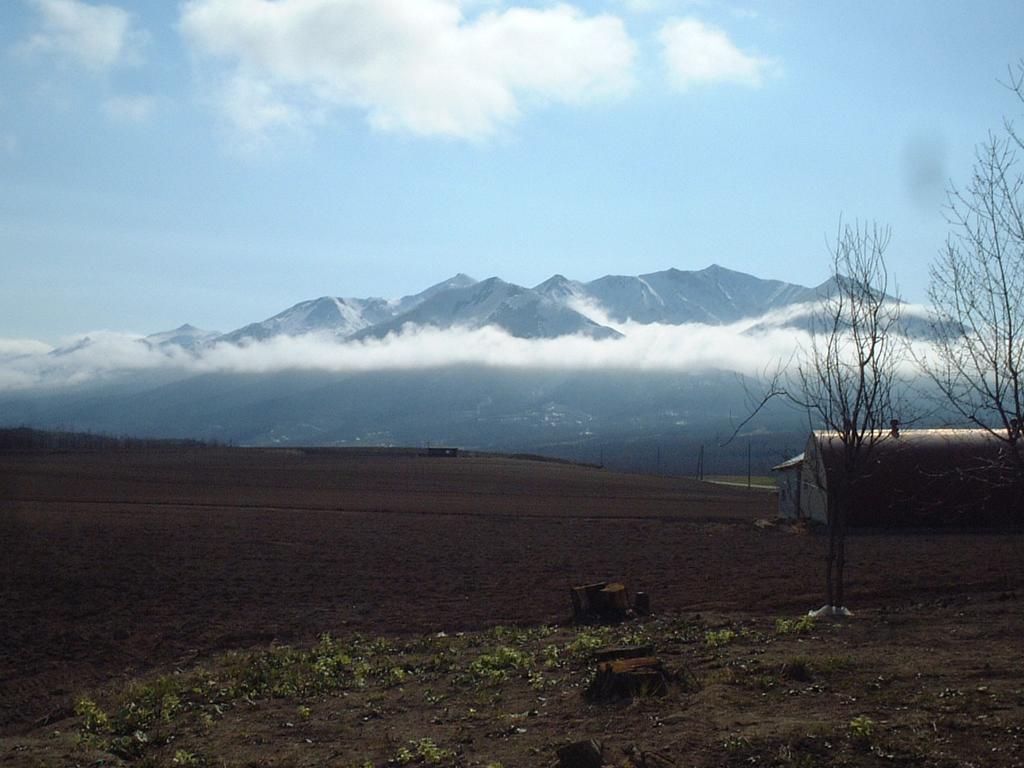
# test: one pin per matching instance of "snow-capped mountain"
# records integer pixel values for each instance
(559, 306)
(713, 296)
(186, 336)
(328, 314)
(340, 317)
(562, 289)
(520, 311)
(556, 307)
(407, 303)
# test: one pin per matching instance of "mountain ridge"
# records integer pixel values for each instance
(558, 306)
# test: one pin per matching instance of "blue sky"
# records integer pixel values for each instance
(216, 161)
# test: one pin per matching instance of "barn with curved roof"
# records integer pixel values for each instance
(913, 477)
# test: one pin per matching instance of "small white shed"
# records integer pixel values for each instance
(789, 473)
(801, 495)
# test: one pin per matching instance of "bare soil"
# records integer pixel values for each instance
(121, 565)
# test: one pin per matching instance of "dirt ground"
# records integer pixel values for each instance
(118, 564)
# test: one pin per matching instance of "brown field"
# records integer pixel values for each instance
(118, 564)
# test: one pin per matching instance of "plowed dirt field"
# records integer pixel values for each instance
(117, 563)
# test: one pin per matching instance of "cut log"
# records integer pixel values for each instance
(586, 601)
(582, 754)
(593, 593)
(627, 678)
(614, 601)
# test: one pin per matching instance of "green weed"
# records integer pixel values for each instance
(495, 667)
(423, 751)
(798, 626)
(862, 729)
(718, 638)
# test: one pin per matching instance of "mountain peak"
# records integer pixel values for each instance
(557, 306)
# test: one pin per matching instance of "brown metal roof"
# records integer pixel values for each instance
(929, 476)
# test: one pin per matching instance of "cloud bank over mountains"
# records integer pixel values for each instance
(711, 319)
(650, 347)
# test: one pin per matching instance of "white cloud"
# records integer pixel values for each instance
(420, 66)
(656, 6)
(699, 54)
(645, 347)
(97, 37)
(16, 347)
(254, 108)
(748, 347)
(129, 109)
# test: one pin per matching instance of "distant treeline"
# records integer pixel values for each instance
(26, 438)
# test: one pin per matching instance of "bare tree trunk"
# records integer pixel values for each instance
(830, 556)
(840, 559)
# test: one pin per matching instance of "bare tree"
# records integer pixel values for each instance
(977, 296)
(847, 379)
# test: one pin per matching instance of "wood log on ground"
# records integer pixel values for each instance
(628, 678)
(581, 754)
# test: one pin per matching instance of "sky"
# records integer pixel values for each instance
(216, 161)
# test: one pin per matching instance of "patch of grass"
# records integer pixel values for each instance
(187, 759)
(495, 667)
(862, 728)
(718, 637)
(736, 743)
(756, 481)
(750, 674)
(586, 642)
(423, 752)
(797, 626)
(94, 720)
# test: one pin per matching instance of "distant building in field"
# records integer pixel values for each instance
(915, 477)
(436, 450)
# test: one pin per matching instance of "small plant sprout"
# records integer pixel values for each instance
(718, 637)
(94, 719)
(794, 626)
(186, 759)
(862, 728)
(424, 752)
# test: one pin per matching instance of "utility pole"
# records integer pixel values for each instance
(748, 465)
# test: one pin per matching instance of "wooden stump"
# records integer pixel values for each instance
(614, 601)
(586, 601)
(600, 601)
(626, 678)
